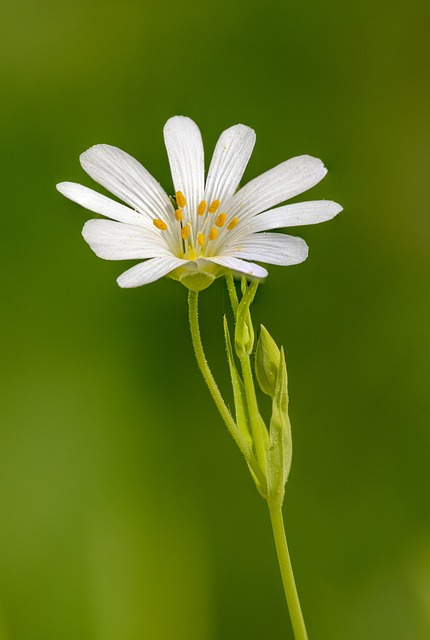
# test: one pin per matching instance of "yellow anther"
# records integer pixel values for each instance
(213, 206)
(220, 221)
(179, 215)
(201, 208)
(160, 224)
(185, 232)
(231, 225)
(180, 199)
(213, 233)
(201, 239)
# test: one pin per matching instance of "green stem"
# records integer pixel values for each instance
(284, 560)
(232, 293)
(193, 298)
(258, 428)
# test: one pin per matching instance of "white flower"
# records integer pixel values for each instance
(209, 227)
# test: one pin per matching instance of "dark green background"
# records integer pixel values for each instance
(126, 512)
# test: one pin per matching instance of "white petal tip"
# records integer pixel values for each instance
(92, 155)
(63, 187)
(308, 158)
(315, 165)
(178, 119)
(180, 129)
(244, 129)
(330, 209)
(123, 284)
(66, 188)
(88, 231)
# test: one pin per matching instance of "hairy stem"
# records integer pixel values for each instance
(214, 390)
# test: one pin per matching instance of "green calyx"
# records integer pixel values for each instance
(196, 280)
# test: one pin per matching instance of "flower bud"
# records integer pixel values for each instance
(279, 449)
(244, 332)
(267, 358)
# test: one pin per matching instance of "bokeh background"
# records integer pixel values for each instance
(126, 512)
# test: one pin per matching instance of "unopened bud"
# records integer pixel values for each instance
(267, 358)
(244, 333)
(279, 448)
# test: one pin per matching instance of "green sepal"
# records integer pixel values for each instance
(197, 280)
(244, 332)
(267, 359)
(242, 418)
(279, 450)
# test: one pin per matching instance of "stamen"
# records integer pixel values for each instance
(160, 224)
(231, 225)
(213, 206)
(201, 208)
(220, 221)
(213, 233)
(179, 215)
(185, 232)
(201, 239)
(180, 199)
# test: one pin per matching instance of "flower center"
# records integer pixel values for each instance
(195, 236)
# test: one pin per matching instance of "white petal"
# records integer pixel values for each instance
(285, 181)
(100, 204)
(125, 177)
(295, 215)
(186, 156)
(146, 272)
(119, 241)
(228, 164)
(274, 248)
(249, 268)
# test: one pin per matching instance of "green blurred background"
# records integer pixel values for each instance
(126, 511)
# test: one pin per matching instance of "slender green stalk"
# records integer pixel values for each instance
(284, 561)
(232, 292)
(258, 462)
(258, 428)
(214, 390)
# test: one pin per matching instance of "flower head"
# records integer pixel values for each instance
(209, 226)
